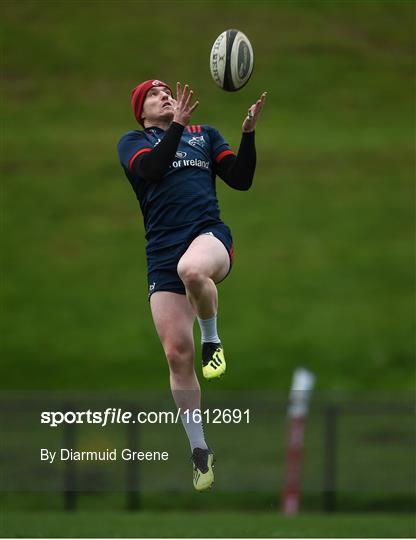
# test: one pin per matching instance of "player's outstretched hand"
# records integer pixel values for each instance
(250, 120)
(184, 109)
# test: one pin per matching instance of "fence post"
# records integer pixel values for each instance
(331, 413)
(300, 393)
(70, 495)
(132, 476)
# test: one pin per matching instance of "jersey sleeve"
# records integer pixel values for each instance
(132, 145)
(219, 146)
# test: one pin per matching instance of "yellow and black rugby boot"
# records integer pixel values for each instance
(203, 463)
(213, 361)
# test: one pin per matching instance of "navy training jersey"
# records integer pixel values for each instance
(184, 200)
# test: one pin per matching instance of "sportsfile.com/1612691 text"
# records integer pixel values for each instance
(113, 415)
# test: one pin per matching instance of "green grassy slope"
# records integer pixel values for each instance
(212, 525)
(324, 240)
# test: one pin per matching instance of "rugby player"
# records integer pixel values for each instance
(171, 166)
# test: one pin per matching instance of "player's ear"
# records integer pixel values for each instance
(143, 116)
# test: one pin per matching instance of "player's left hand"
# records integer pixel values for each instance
(250, 120)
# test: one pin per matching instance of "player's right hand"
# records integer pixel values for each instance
(183, 108)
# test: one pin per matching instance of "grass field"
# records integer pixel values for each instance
(324, 240)
(200, 525)
(324, 273)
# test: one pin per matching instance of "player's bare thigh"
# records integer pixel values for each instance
(174, 318)
(208, 256)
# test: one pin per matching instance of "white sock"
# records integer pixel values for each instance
(195, 432)
(209, 330)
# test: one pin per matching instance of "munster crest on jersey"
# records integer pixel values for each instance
(197, 141)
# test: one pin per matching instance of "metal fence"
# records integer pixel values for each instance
(358, 450)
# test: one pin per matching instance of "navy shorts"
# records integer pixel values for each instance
(162, 272)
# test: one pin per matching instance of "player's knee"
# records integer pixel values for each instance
(179, 359)
(190, 274)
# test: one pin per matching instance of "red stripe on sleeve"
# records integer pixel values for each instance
(138, 154)
(223, 154)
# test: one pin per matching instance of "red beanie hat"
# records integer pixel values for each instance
(138, 95)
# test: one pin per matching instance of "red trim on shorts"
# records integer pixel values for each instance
(231, 252)
(222, 155)
(138, 154)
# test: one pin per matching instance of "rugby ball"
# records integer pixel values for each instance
(231, 60)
